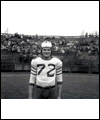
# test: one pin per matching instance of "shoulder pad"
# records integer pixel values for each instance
(55, 57)
(36, 57)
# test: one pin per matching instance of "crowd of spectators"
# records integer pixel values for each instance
(28, 47)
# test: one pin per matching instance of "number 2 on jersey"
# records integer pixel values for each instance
(48, 73)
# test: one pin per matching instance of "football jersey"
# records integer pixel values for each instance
(46, 71)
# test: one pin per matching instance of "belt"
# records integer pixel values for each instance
(45, 87)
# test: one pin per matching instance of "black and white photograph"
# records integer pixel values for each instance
(50, 50)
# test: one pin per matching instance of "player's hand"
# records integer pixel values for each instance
(59, 97)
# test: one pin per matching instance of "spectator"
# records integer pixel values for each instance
(14, 49)
(59, 50)
(25, 58)
(55, 49)
(62, 51)
(60, 43)
(38, 51)
(18, 49)
(3, 47)
(89, 52)
(5, 42)
(20, 57)
(26, 50)
(30, 57)
(9, 42)
(22, 49)
(78, 52)
(9, 49)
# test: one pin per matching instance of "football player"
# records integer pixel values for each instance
(46, 73)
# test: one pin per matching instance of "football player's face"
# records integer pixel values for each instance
(46, 52)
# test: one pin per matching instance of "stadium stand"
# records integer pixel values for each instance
(76, 52)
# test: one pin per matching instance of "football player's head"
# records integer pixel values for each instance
(46, 49)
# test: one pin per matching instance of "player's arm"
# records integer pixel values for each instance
(32, 78)
(59, 79)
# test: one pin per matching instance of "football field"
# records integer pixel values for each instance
(14, 85)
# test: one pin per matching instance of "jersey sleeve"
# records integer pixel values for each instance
(33, 72)
(59, 71)
(33, 67)
(59, 68)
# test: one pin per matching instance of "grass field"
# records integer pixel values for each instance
(14, 85)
